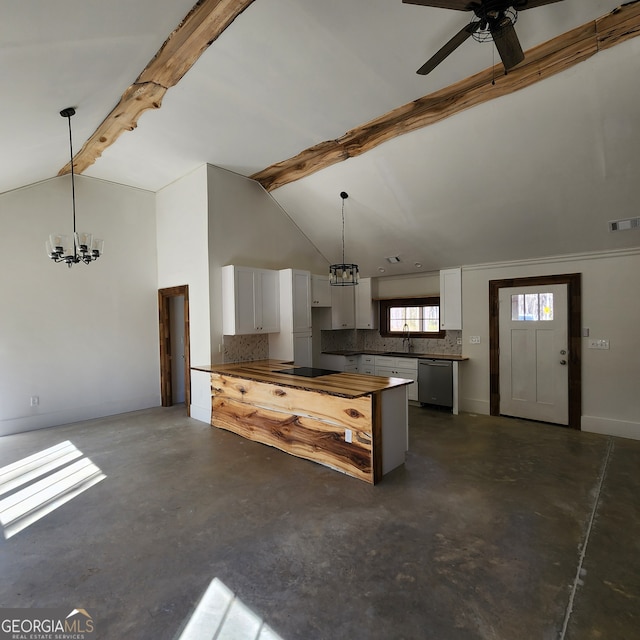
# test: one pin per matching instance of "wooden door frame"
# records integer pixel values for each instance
(574, 337)
(164, 317)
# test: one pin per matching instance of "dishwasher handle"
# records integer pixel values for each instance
(435, 363)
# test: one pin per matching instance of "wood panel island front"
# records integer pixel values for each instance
(357, 424)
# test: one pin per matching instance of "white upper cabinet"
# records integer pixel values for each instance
(301, 299)
(451, 299)
(320, 291)
(366, 306)
(293, 342)
(250, 300)
(343, 307)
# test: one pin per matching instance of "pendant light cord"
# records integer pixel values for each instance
(342, 230)
(73, 185)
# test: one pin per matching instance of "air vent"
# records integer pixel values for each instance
(393, 259)
(624, 225)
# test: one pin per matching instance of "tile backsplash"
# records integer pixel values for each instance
(256, 347)
(371, 340)
(244, 348)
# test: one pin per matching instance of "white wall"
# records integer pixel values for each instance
(247, 227)
(610, 309)
(406, 286)
(183, 253)
(84, 340)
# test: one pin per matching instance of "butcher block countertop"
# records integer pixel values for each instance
(346, 385)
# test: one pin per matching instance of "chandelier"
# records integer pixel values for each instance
(343, 274)
(85, 247)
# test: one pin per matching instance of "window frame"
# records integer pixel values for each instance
(423, 301)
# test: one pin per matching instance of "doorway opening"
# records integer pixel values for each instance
(573, 282)
(175, 371)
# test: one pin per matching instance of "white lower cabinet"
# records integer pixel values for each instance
(303, 349)
(367, 365)
(398, 367)
(351, 364)
(338, 363)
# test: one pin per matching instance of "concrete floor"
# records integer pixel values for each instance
(494, 529)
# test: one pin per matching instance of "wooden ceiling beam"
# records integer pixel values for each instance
(541, 62)
(199, 29)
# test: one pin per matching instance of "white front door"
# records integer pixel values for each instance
(534, 381)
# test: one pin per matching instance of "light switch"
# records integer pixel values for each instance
(348, 436)
(598, 344)
(474, 339)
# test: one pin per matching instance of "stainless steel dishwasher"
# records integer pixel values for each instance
(435, 382)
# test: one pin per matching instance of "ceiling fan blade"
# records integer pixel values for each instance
(449, 48)
(521, 5)
(458, 5)
(507, 43)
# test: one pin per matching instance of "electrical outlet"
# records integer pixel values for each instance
(34, 401)
(474, 339)
(598, 344)
(458, 340)
(348, 435)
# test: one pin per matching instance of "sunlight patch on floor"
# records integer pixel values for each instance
(24, 506)
(221, 615)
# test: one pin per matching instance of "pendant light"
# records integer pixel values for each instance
(344, 274)
(85, 247)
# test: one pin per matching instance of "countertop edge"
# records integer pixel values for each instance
(416, 356)
(239, 370)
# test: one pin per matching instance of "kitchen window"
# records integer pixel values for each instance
(420, 316)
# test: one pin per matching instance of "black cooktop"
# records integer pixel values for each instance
(307, 372)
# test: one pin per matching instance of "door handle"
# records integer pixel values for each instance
(563, 362)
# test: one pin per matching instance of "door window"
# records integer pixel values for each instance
(532, 307)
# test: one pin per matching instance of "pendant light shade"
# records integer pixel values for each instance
(343, 274)
(81, 246)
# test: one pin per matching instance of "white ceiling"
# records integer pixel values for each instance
(536, 173)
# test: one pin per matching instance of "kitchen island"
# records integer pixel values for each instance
(356, 424)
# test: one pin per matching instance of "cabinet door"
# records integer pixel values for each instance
(301, 301)
(366, 307)
(409, 374)
(451, 299)
(245, 301)
(320, 291)
(367, 365)
(303, 349)
(343, 310)
(250, 300)
(267, 301)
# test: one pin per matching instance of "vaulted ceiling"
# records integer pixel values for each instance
(536, 172)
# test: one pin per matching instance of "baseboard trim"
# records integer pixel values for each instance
(481, 407)
(75, 414)
(610, 427)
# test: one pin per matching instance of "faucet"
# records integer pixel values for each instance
(406, 337)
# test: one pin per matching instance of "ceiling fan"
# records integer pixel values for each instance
(495, 22)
